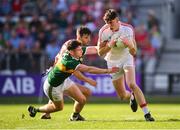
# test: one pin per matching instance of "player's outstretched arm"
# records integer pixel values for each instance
(95, 70)
(80, 76)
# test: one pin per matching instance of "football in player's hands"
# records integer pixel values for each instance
(120, 43)
(112, 43)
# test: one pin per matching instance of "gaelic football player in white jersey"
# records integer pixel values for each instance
(117, 45)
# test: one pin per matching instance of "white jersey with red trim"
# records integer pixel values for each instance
(106, 34)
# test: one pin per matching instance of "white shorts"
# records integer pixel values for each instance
(56, 93)
(121, 63)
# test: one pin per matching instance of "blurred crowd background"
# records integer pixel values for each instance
(30, 28)
(33, 31)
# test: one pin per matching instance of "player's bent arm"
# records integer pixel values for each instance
(95, 70)
(80, 76)
(91, 50)
(60, 53)
(63, 49)
(103, 48)
(133, 48)
(135, 45)
(131, 45)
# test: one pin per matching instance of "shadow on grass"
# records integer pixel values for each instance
(115, 120)
(168, 120)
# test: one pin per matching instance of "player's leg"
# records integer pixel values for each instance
(48, 108)
(118, 81)
(131, 82)
(139, 96)
(75, 93)
(119, 84)
(86, 92)
(123, 93)
(120, 88)
(55, 94)
(47, 115)
(44, 77)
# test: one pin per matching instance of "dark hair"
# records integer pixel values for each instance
(110, 15)
(73, 44)
(83, 30)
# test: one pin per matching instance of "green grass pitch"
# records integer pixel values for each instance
(98, 116)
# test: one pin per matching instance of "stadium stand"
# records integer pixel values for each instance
(31, 29)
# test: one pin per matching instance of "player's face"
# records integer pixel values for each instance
(85, 39)
(78, 52)
(114, 24)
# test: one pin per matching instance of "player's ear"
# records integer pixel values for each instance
(71, 52)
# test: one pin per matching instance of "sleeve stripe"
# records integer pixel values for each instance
(130, 26)
(77, 66)
(106, 26)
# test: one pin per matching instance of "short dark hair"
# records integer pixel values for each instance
(73, 44)
(83, 30)
(110, 14)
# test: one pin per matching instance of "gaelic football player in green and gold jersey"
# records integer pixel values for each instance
(83, 35)
(58, 82)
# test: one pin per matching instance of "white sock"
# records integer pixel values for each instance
(132, 96)
(145, 110)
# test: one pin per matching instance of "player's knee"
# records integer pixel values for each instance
(88, 93)
(82, 100)
(122, 96)
(59, 108)
(132, 85)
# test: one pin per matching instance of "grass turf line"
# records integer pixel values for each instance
(99, 116)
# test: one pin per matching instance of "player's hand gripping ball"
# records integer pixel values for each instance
(120, 43)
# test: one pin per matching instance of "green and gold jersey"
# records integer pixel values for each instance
(63, 68)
